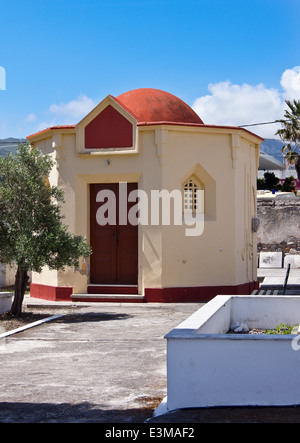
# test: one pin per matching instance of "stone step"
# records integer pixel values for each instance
(112, 289)
(276, 291)
(117, 298)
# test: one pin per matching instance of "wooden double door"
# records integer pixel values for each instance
(114, 260)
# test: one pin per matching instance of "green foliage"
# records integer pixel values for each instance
(281, 329)
(288, 184)
(32, 234)
(270, 180)
(261, 184)
(290, 131)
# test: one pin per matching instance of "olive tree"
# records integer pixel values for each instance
(32, 233)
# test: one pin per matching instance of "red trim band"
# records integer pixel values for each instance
(53, 293)
(152, 295)
(196, 294)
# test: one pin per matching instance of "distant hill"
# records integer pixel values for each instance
(272, 147)
(9, 145)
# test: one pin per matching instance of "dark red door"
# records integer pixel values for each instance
(115, 246)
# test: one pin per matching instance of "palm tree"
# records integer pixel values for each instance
(290, 134)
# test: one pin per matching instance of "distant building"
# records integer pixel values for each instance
(10, 145)
(268, 163)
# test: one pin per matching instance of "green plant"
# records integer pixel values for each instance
(281, 329)
(261, 184)
(271, 180)
(288, 184)
(290, 134)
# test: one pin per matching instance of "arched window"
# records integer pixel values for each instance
(192, 203)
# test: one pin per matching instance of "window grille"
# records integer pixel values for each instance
(191, 197)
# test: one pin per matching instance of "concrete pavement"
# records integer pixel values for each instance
(277, 273)
(274, 278)
(102, 362)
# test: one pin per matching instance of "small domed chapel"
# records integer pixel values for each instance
(121, 168)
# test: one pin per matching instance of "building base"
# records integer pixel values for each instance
(152, 295)
(53, 293)
(197, 294)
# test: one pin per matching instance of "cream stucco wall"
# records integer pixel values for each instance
(223, 159)
(225, 254)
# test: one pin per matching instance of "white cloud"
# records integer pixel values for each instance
(225, 104)
(290, 82)
(232, 104)
(30, 118)
(237, 105)
(61, 114)
(74, 110)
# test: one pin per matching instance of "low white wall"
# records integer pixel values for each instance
(7, 275)
(207, 368)
(266, 311)
(217, 316)
(203, 373)
(212, 318)
(5, 302)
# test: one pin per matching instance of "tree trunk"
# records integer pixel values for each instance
(21, 281)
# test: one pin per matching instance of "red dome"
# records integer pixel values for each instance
(153, 105)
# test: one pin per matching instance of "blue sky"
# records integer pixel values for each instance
(233, 61)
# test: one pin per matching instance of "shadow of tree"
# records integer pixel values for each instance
(9, 322)
(91, 317)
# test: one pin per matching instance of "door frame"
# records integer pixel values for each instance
(113, 229)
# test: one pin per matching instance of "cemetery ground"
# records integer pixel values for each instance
(102, 363)
(99, 362)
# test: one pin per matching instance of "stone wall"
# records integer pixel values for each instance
(7, 275)
(279, 229)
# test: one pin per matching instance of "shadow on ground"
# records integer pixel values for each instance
(9, 322)
(275, 414)
(68, 413)
(90, 413)
(92, 317)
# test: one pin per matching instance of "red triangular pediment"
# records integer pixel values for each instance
(109, 129)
